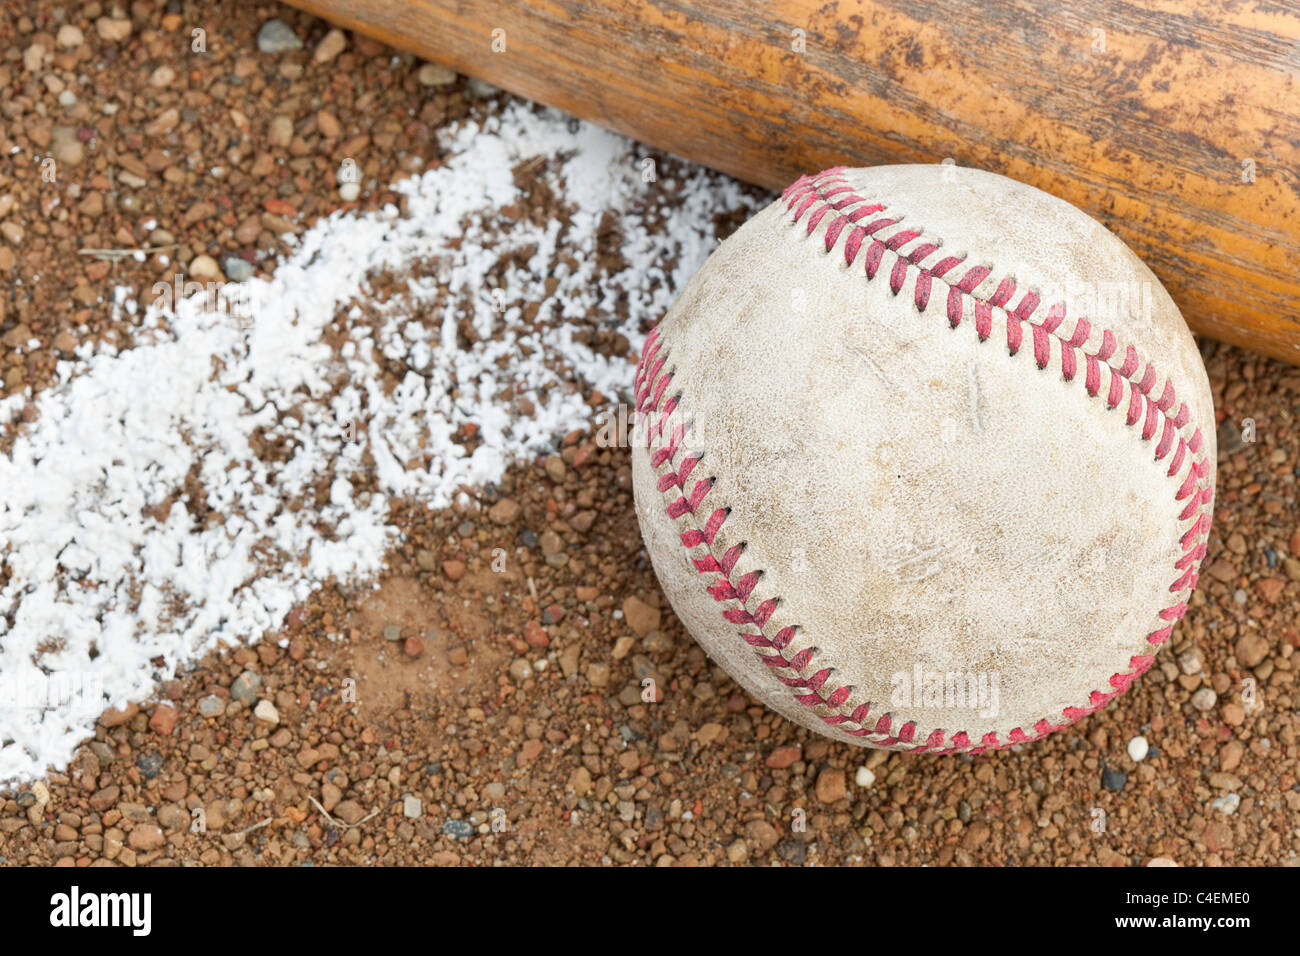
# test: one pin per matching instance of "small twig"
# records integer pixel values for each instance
(340, 823)
(257, 826)
(123, 253)
(325, 813)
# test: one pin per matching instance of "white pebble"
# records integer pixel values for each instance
(864, 777)
(349, 191)
(69, 37)
(265, 711)
(1137, 748)
(1227, 804)
(1204, 699)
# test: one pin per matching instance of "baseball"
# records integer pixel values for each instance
(925, 459)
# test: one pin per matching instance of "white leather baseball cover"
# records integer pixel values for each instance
(925, 459)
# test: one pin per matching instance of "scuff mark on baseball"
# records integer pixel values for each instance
(925, 459)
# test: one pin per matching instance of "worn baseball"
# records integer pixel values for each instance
(925, 458)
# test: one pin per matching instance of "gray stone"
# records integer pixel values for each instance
(1113, 779)
(149, 764)
(237, 268)
(103, 751)
(277, 37)
(792, 851)
(476, 89)
(245, 687)
(459, 829)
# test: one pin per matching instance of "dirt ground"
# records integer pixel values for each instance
(483, 704)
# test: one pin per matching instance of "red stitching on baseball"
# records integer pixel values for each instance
(651, 384)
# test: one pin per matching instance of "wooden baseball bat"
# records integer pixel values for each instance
(1174, 122)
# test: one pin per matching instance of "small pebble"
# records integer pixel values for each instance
(66, 148)
(1227, 804)
(112, 30)
(265, 711)
(1230, 756)
(1230, 438)
(331, 46)
(1251, 649)
(1138, 748)
(245, 687)
(412, 807)
(460, 829)
(1113, 779)
(205, 269)
(864, 777)
(69, 37)
(435, 74)
(830, 786)
(1204, 699)
(476, 89)
(276, 37)
(149, 764)
(237, 268)
(279, 132)
(33, 58)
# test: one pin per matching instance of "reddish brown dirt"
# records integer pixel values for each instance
(566, 764)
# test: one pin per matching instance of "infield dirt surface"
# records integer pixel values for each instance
(492, 672)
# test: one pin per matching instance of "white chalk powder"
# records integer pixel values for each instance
(108, 593)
